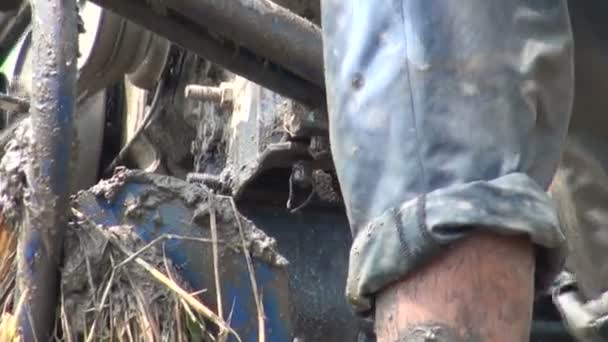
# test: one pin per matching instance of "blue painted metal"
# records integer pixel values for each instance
(47, 173)
(316, 243)
(193, 260)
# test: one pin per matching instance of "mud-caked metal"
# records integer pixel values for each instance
(47, 174)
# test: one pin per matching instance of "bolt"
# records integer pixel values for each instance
(223, 95)
(203, 93)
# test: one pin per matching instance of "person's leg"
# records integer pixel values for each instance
(480, 289)
(447, 119)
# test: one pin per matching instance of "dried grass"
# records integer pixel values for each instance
(114, 288)
(8, 271)
(9, 331)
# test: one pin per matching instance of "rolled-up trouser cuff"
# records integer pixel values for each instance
(401, 239)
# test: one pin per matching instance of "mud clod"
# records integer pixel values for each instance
(12, 175)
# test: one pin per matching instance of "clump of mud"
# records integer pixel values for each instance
(230, 221)
(12, 174)
(12, 189)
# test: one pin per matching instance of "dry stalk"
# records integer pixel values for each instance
(175, 288)
(252, 278)
(156, 241)
(216, 272)
(9, 330)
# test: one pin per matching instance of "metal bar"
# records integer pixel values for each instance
(239, 60)
(264, 27)
(46, 198)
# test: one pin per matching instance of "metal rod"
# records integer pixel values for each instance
(182, 31)
(47, 172)
(264, 27)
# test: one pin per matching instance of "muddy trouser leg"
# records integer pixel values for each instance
(446, 118)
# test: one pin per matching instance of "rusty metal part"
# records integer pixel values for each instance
(48, 170)
(191, 35)
(264, 27)
(240, 147)
(231, 151)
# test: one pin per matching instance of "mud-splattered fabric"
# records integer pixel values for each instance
(445, 117)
